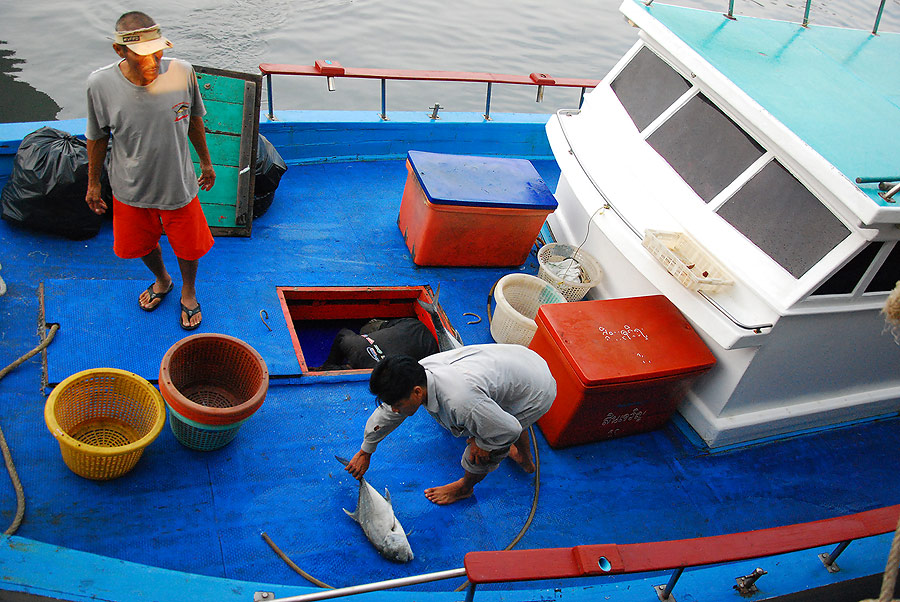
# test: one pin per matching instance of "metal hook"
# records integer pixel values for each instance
(468, 313)
(264, 315)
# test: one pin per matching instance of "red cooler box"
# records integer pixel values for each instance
(621, 366)
(472, 211)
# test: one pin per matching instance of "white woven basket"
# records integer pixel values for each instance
(572, 290)
(518, 297)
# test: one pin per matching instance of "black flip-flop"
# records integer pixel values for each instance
(155, 295)
(190, 314)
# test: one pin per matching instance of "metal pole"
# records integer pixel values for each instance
(271, 106)
(470, 593)
(878, 19)
(829, 560)
(873, 180)
(374, 587)
(889, 196)
(671, 584)
(806, 14)
(581, 100)
(730, 14)
(384, 99)
(487, 103)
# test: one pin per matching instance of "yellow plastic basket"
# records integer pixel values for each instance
(103, 419)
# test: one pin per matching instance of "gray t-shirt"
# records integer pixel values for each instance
(491, 392)
(150, 160)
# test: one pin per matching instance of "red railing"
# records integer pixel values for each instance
(333, 69)
(609, 559)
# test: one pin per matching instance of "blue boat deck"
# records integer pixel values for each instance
(202, 512)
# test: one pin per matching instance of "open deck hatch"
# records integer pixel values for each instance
(315, 314)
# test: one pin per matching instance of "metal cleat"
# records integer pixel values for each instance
(746, 584)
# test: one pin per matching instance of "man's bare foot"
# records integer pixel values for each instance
(523, 460)
(449, 493)
(154, 294)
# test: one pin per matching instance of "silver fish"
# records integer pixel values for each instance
(375, 515)
(448, 338)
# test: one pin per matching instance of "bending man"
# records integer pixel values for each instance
(144, 109)
(490, 394)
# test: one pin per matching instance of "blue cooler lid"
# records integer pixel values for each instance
(466, 180)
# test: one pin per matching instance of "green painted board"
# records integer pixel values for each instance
(222, 87)
(232, 102)
(224, 117)
(224, 149)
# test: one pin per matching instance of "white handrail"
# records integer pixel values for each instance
(368, 587)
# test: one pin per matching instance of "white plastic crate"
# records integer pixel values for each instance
(682, 257)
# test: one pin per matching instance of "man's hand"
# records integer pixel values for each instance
(96, 156)
(207, 176)
(359, 464)
(477, 455)
(92, 198)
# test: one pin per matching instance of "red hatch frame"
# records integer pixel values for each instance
(353, 302)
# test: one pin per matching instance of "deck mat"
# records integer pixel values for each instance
(101, 325)
(202, 512)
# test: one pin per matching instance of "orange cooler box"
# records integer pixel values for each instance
(621, 366)
(463, 210)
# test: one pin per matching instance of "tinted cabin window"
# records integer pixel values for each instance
(705, 147)
(777, 213)
(647, 86)
(888, 274)
(845, 279)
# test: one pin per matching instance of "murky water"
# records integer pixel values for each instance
(48, 47)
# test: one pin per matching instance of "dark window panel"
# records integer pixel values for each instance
(845, 279)
(647, 86)
(784, 219)
(705, 147)
(888, 274)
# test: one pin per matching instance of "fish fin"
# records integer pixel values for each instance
(352, 515)
(343, 461)
(387, 497)
(434, 311)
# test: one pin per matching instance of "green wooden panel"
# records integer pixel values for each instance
(219, 215)
(232, 121)
(221, 87)
(224, 149)
(225, 190)
(224, 117)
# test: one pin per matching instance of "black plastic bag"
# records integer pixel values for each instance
(269, 169)
(48, 183)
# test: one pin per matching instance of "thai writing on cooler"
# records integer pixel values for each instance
(634, 415)
(627, 333)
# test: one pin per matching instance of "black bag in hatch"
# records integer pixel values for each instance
(269, 169)
(48, 183)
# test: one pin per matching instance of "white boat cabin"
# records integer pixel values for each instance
(746, 136)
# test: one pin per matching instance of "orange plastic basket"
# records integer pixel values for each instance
(213, 379)
(103, 419)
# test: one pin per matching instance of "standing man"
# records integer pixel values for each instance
(143, 109)
(489, 393)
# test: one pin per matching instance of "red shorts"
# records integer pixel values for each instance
(136, 230)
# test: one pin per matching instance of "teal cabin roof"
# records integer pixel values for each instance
(837, 89)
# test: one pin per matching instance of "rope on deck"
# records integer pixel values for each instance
(291, 563)
(7, 456)
(534, 501)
